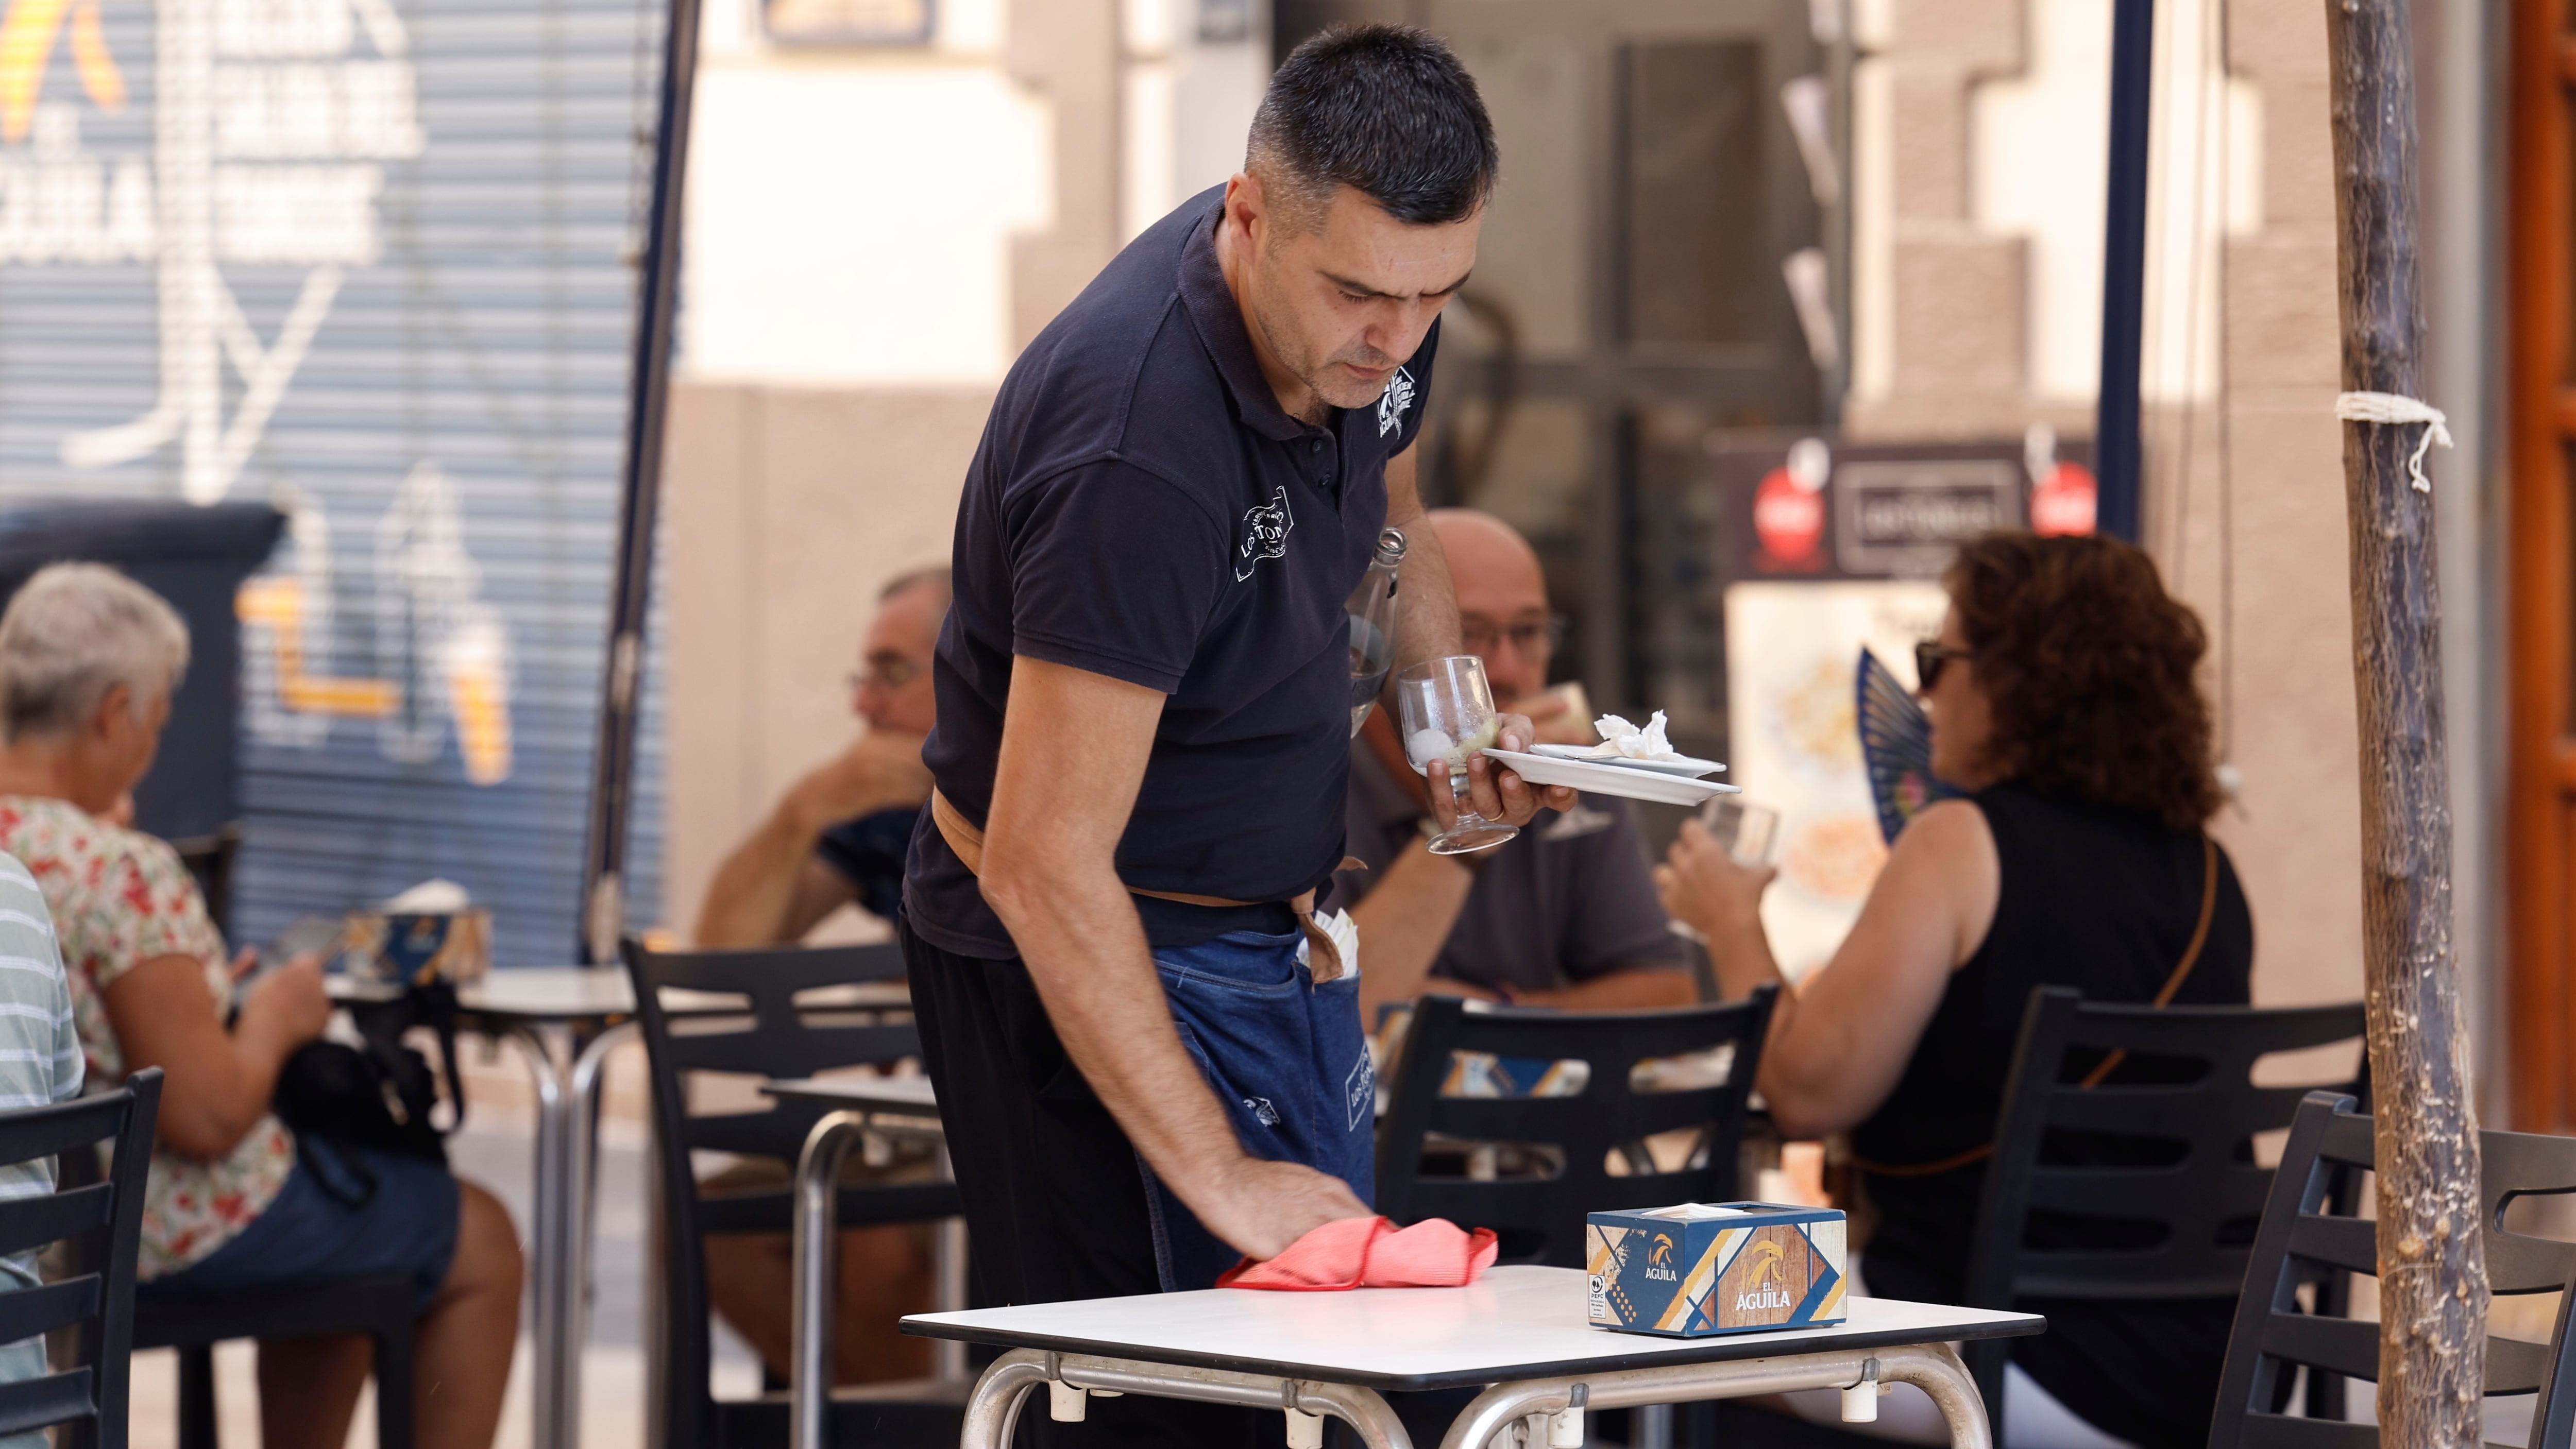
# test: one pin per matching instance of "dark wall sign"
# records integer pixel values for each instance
(1810, 506)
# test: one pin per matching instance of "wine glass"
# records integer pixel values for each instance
(1447, 711)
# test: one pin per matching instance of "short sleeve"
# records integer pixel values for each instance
(1617, 924)
(140, 905)
(1417, 368)
(1114, 571)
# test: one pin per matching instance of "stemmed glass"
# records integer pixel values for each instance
(1447, 711)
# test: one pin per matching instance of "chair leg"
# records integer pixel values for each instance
(197, 1397)
(394, 1408)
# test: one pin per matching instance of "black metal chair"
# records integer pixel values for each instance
(1540, 1217)
(102, 1216)
(768, 1033)
(2162, 1147)
(381, 1306)
(2310, 1239)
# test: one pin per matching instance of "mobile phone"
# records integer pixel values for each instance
(304, 936)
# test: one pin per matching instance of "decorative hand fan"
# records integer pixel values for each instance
(1896, 747)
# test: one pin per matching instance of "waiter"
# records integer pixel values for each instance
(1147, 1058)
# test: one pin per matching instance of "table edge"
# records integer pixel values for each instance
(1715, 1351)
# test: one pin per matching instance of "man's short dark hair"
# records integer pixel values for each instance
(1386, 110)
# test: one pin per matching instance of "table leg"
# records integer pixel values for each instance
(994, 1408)
(818, 1239)
(948, 1284)
(549, 1239)
(581, 1170)
(1651, 1427)
(1933, 1367)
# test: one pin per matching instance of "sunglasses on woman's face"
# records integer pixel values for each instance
(1929, 656)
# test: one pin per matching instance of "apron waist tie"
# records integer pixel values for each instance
(1323, 958)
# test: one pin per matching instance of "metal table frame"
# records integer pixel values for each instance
(1546, 1410)
(1518, 1337)
(540, 1011)
(891, 1107)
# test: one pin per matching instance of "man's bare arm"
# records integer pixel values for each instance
(1074, 747)
(1404, 920)
(1426, 618)
(1426, 627)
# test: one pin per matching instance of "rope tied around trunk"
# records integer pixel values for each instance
(2397, 411)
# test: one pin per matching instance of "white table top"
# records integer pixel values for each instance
(535, 993)
(1513, 1323)
(885, 1094)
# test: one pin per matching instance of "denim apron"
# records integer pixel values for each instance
(1287, 1059)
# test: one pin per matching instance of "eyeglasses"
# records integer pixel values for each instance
(884, 674)
(1478, 637)
(1929, 656)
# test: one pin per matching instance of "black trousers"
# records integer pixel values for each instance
(1055, 1195)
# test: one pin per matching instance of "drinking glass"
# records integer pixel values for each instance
(1745, 831)
(1447, 711)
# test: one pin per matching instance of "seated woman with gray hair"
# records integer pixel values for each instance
(88, 661)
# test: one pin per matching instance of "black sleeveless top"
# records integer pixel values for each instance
(2103, 900)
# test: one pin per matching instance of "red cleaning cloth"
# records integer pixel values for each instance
(1371, 1253)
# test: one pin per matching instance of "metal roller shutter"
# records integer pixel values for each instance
(365, 259)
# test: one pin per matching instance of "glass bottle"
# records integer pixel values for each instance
(1372, 614)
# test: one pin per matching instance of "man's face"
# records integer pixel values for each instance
(1342, 303)
(1502, 601)
(892, 688)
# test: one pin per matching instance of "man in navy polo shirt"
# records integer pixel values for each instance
(1144, 722)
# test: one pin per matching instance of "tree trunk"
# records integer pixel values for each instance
(2432, 1256)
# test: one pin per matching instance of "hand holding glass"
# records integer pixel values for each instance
(1447, 711)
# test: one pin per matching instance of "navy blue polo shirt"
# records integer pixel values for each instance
(1140, 507)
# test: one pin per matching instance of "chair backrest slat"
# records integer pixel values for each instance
(2158, 1154)
(1541, 1218)
(2312, 1235)
(103, 1223)
(62, 1398)
(27, 1224)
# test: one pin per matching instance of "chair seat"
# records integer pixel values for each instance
(349, 1305)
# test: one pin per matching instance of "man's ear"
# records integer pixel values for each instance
(1247, 204)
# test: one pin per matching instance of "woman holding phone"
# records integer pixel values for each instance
(234, 1202)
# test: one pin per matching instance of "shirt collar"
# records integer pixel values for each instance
(1220, 326)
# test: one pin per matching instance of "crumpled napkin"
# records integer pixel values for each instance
(1622, 740)
(1371, 1253)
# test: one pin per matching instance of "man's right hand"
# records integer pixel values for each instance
(1259, 1207)
(881, 770)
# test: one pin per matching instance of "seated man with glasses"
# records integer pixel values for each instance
(838, 836)
(1565, 913)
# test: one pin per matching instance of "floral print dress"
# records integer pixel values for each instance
(120, 898)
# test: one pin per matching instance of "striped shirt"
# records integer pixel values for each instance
(40, 1063)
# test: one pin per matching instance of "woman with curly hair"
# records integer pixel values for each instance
(2063, 702)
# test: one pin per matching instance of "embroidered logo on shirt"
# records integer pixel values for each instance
(1265, 534)
(1392, 403)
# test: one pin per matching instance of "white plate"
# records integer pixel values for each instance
(1601, 779)
(1684, 766)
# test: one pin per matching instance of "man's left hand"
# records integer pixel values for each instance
(1494, 791)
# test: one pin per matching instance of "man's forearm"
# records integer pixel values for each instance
(1086, 952)
(1426, 604)
(1403, 922)
(747, 901)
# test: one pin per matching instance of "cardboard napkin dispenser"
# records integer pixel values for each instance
(1707, 1268)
